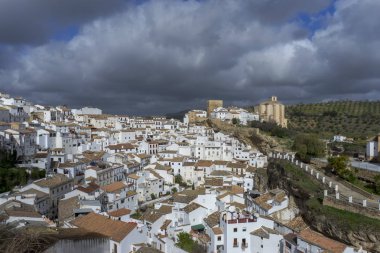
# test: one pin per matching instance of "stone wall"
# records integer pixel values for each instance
(357, 189)
(350, 207)
(367, 206)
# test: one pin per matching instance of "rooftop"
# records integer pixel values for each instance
(264, 232)
(120, 212)
(191, 207)
(116, 230)
(114, 187)
(213, 219)
(217, 231)
(50, 182)
(322, 241)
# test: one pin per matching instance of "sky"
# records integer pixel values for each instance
(160, 56)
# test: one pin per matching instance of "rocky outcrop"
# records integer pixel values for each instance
(341, 228)
(247, 135)
(261, 180)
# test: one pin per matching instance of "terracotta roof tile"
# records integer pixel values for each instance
(116, 230)
(191, 207)
(214, 181)
(166, 224)
(114, 187)
(204, 163)
(133, 176)
(297, 224)
(322, 241)
(217, 231)
(213, 219)
(152, 215)
(119, 212)
(53, 181)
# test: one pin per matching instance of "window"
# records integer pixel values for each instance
(244, 229)
(219, 238)
(235, 243)
(235, 229)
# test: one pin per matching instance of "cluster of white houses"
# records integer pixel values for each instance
(242, 116)
(102, 170)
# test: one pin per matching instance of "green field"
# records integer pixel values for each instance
(356, 119)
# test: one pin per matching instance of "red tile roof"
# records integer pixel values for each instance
(116, 230)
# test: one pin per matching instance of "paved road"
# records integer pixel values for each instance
(366, 166)
(360, 165)
(342, 188)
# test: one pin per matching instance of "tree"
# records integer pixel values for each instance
(174, 190)
(153, 196)
(42, 173)
(186, 243)
(35, 174)
(308, 146)
(272, 128)
(178, 179)
(137, 215)
(235, 121)
(339, 166)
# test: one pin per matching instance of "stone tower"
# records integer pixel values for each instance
(273, 111)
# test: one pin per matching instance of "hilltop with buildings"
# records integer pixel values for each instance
(152, 184)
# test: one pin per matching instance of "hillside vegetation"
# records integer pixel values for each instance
(350, 228)
(11, 176)
(356, 119)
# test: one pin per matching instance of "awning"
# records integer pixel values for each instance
(198, 227)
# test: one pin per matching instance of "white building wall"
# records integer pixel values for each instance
(371, 149)
(264, 245)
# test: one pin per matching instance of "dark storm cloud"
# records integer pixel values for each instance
(35, 21)
(275, 11)
(166, 55)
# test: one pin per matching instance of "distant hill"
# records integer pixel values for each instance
(357, 119)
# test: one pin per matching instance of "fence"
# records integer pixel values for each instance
(332, 185)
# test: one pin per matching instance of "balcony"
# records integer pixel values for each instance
(244, 246)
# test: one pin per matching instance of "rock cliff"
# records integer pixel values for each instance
(349, 228)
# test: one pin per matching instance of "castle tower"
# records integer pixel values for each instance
(273, 111)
